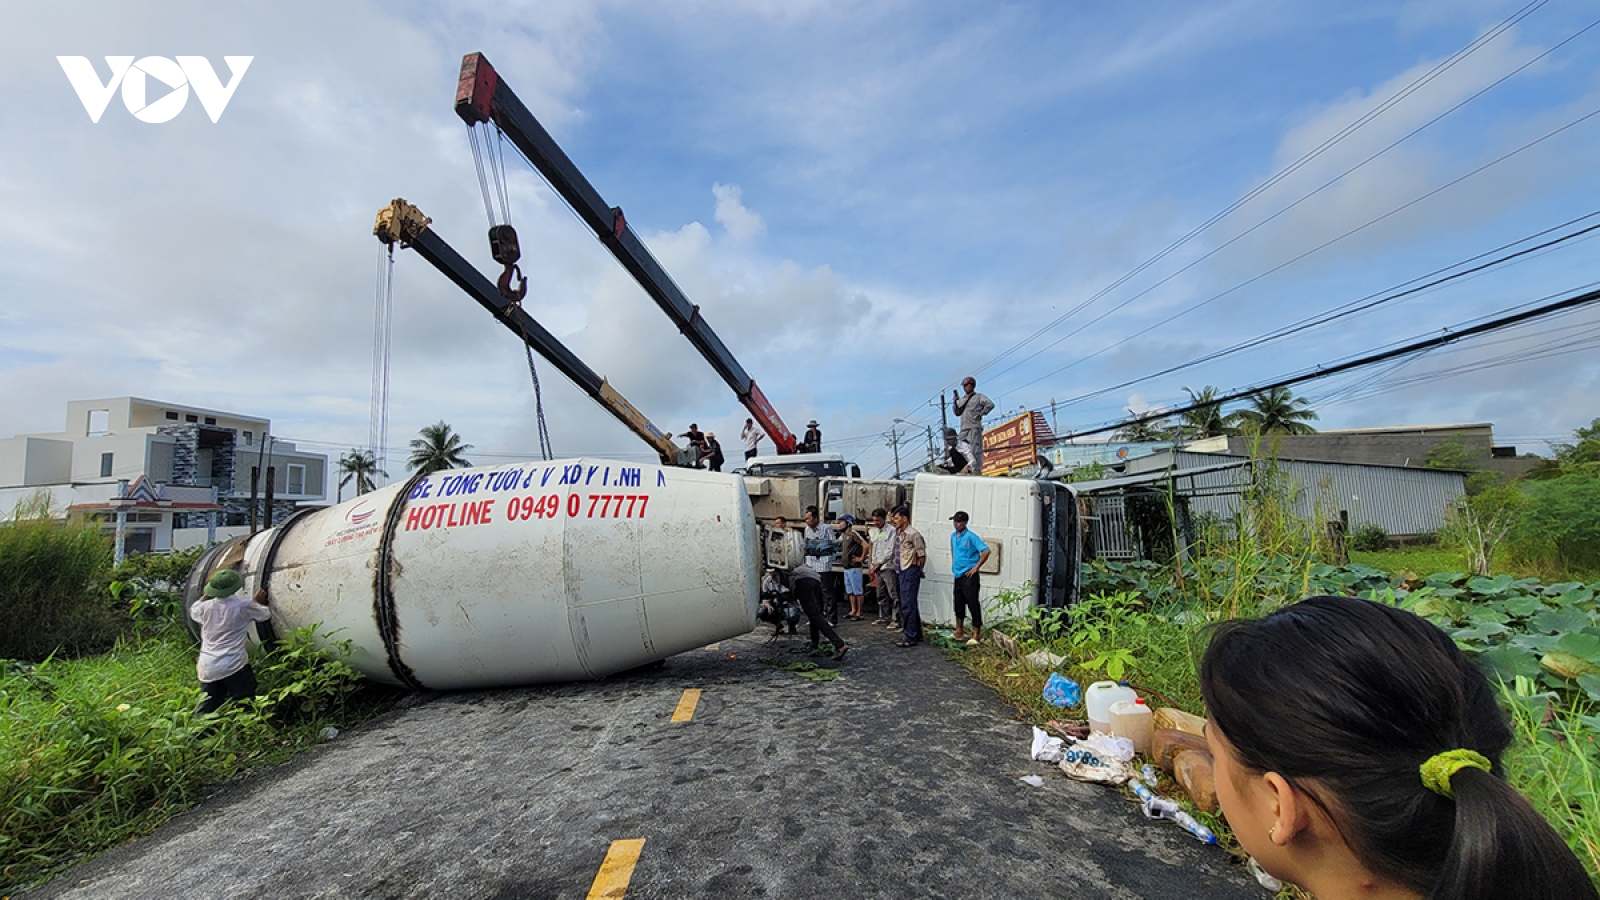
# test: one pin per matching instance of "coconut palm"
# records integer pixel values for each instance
(359, 466)
(1275, 411)
(1204, 418)
(438, 448)
(1142, 431)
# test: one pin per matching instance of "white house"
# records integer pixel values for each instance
(157, 467)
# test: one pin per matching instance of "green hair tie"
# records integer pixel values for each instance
(1441, 767)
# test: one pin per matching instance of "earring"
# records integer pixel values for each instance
(1272, 835)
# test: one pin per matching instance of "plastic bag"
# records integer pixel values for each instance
(1045, 747)
(1062, 691)
(1115, 749)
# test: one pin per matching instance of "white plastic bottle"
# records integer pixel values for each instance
(1097, 701)
(1133, 719)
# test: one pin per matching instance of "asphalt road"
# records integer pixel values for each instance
(900, 778)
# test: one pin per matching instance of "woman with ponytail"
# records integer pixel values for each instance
(1358, 755)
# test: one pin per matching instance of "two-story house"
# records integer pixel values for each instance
(157, 467)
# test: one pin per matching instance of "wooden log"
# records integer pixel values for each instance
(1168, 742)
(1195, 774)
(1169, 717)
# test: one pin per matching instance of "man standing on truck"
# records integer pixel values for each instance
(913, 556)
(812, 442)
(751, 435)
(972, 408)
(968, 553)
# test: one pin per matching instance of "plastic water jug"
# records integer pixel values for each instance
(1097, 702)
(1134, 720)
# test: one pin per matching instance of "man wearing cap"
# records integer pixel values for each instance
(913, 556)
(812, 442)
(972, 408)
(957, 454)
(968, 553)
(225, 617)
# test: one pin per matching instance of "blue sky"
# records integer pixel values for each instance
(868, 200)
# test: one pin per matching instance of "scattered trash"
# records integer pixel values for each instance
(1149, 773)
(1060, 690)
(1119, 750)
(1046, 748)
(1075, 730)
(1033, 780)
(1098, 699)
(1005, 642)
(1084, 765)
(1262, 878)
(328, 734)
(1158, 807)
(1133, 720)
(1044, 659)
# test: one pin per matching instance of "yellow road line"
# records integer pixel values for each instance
(686, 704)
(611, 881)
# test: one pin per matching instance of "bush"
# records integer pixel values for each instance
(49, 571)
(1368, 536)
(150, 585)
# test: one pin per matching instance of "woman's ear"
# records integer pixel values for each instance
(1289, 809)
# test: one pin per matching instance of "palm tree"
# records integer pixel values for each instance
(1275, 411)
(438, 448)
(1142, 432)
(1204, 419)
(359, 466)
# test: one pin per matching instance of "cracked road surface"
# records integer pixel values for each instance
(898, 779)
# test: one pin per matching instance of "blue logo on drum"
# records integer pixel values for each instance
(359, 513)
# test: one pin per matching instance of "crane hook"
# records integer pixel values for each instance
(503, 246)
(512, 294)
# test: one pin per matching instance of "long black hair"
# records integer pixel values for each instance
(1346, 699)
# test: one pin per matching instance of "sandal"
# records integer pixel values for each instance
(906, 643)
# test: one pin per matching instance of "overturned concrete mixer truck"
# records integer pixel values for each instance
(519, 574)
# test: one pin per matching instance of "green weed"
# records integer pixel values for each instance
(99, 749)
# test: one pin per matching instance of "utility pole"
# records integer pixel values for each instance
(931, 455)
(944, 420)
(894, 441)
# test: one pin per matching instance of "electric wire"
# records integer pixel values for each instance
(1413, 287)
(1277, 177)
(1324, 371)
(1223, 246)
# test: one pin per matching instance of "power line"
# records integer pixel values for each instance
(1283, 173)
(1354, 307)
(1323, 372)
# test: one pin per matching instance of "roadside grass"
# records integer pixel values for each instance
(1418, 560)
(1555, 763)
(99, 749)
(1147, 623)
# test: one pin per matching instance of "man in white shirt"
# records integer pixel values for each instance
(752, 436)
(225, 617)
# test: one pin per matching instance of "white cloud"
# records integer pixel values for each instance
(741, 223)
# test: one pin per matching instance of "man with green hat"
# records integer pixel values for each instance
(225, 617)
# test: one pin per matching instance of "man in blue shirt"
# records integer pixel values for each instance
(968, 553)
